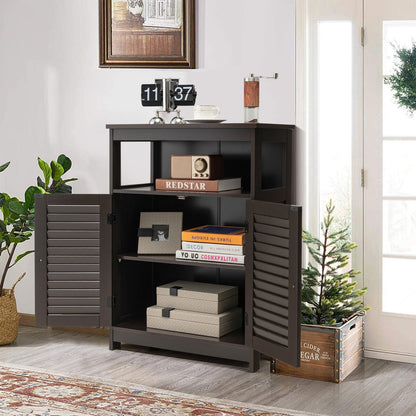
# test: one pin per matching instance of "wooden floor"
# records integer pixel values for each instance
(376, 388)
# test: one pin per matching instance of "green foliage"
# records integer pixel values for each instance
(2, 167)
(54, 171)
(65, 162)
(329, 293)
(403, 80)
(17, 222)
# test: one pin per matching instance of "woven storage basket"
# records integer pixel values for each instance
(9, 318)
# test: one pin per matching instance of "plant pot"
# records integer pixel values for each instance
(328, 353)
(9, 318)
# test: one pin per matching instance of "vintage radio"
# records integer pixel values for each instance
(196, 166)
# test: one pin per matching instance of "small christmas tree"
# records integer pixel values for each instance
(329, 293)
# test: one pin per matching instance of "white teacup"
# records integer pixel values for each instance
(204, 112)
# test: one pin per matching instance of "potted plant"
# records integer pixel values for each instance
(332, 308)
(16, 227)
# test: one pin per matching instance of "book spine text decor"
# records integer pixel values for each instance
(216, 234)
(202, 256)
(213, 248)
(212, 238)
(197, 185)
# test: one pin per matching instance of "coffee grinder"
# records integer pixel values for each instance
(252, 97)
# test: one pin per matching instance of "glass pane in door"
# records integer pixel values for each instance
(399, 168)
(399, 286)
(397, 122)
(399, 226)
(334, 127)
(399, 182)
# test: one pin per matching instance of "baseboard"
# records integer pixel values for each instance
(27, 319)
(90, 331)
(390, 356)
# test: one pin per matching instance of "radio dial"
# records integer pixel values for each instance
(200, 165)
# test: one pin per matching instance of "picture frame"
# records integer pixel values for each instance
(159, 232)
(147, 33)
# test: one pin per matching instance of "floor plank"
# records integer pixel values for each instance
(377, 387)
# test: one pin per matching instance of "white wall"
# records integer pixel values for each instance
(54, 98)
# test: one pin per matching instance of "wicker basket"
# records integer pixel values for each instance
(9, 318)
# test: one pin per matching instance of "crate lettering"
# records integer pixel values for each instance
(314, 355)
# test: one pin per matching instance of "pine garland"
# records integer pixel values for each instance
(403, 80)
(329, 293)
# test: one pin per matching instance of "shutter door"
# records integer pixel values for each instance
(73, 260)
(273, 281)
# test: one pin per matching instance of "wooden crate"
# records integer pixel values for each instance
(327, 353)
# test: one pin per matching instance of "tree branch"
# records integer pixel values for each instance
(11, 254)
(7, 266)
(324, 254)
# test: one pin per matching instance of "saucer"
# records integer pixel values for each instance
(206, 120)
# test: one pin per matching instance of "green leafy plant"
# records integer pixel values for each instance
(52, 175)
(329, 293)
(18, 217)
(403, 79)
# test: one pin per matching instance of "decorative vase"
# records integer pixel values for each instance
(9, 318)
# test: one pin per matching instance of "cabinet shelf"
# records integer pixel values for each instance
(231, 346)
(170, 259)
(150, 190)
(139, 323)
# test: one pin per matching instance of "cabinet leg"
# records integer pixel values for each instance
(114, 345)
(254, 363)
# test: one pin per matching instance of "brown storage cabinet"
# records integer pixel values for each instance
(88, 272)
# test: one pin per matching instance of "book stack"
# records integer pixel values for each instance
(195, 308)
(213, 243)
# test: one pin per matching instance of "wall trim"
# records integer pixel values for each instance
(27, 319)
(90, 331)
(390, 356)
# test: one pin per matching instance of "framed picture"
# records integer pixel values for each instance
(159, 232)
(147, 33)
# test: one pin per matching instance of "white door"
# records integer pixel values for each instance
(390, 187)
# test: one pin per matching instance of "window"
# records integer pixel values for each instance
(163, 13)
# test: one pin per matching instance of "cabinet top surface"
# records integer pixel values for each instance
(200, 126)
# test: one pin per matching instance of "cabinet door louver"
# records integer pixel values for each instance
(274, 280)
(73, 260)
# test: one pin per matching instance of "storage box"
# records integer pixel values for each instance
(197, 296)
(328, 353)
(197, 323)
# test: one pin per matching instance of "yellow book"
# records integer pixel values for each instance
(217, 234)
